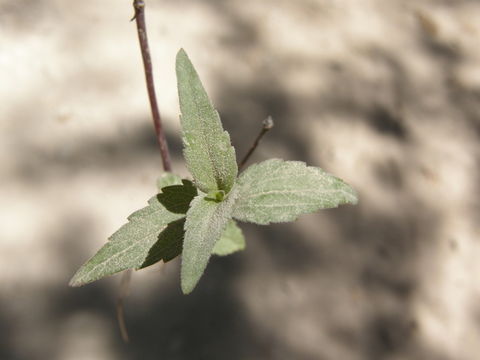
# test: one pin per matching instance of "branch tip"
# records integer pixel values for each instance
(267, 124)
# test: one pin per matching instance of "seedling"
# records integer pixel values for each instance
(198, 218)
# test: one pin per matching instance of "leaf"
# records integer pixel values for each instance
(209, 155)
(279, 191)
(168, 245)
(129, 246)
(168, 179)
(232, 240)
(174, 198)
(216, 195)
(206, 221)
(177, 198)
(170, 242)
(158, 226)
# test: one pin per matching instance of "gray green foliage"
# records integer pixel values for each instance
(209, 155)
(206, 221)
(177, 198)
(232, 240)
(128, 247)
(168, 245)
(280, 191)
(196, 219)
(167, 179)
(154, 233)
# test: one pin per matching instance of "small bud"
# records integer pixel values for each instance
(268, 123)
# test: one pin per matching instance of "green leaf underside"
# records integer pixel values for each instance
(280, 191)
(232, 240)
(129, 247)
(206, 221)
(208, 153)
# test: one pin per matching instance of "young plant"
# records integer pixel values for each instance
(197, 219)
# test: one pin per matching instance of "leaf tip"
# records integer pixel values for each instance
(75, 282)
(351, 195)
(354, 199)
(181, 55)
(187, 286)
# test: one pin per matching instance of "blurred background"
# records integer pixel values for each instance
(384, 94)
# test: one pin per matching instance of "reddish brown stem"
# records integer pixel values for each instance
(124, 289)
(139, 6)
(266, 126)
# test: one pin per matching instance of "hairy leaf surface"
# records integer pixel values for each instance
(209, 155)
(170, 242)
(279, 191)
(155, 226)
(206, 221)
(168, 179)
(232, 240)
(168, 245)
(129, 246)
(177, 198)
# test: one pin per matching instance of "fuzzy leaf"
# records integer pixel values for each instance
(129, 246)
(168, 179)
(232, 240)
(206, 221)
(177, 198)
(279, 191)
(209, 155)
(168, 245)
(158, 226)
(170, 242)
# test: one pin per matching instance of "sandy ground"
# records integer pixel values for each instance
(383, 93)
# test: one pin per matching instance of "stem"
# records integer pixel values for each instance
(139, 6)
(266, 126)
(124, 290)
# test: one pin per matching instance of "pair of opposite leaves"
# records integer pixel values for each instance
(195, 219)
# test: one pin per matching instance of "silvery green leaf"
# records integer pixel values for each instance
(209, 155)
(152, 233)
(167, 179)
(168, 245)
(279, 191)
(128, 247)
(170, 242)
(232, 240)
(206, 221)
(177, 198)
